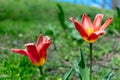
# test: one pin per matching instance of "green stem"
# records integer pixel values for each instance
(41, 72)
(90, 61)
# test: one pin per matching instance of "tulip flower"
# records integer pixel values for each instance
(91, 31)
(35, 52)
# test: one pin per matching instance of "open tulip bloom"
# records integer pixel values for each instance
(35, 52)
(91, 31)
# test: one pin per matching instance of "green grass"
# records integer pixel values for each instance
(21, 21)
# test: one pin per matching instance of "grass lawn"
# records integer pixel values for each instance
(21, 21)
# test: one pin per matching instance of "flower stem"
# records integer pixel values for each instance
(41, 72)
(90, 61)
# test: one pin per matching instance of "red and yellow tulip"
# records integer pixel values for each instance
(91, 31)
(35, 52)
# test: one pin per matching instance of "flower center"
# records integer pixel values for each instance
(89, 31)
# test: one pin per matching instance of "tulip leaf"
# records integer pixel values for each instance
(118, 11)
(108, 77)
(67, 74)
(76, 67)
(82, 67)
(61, 17)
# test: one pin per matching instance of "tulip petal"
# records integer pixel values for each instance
(94, 36)
(97, 22)
(100, 32)
(40, 39)
(46, 42)
(79, 27)
(86, 22)
(32, 52)
(46, 39)
(44, 46)
(109, 20)
(20, 51)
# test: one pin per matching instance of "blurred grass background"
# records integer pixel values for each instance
(21, 21)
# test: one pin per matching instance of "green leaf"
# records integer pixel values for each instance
(67, 74)
(118, 11)
(82, 67)
(76, 67)
(108, 77)
(61, 17)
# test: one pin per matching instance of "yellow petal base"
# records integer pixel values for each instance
(40, 63)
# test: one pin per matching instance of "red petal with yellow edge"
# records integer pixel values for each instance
(80, 28)
(94, 36)
(109, 20)
(97, 22)
(46, 42)
(20, 51)
(86, 22)
(46, 39)
(44, 46)
(100, 32)
(32, 52)
(40, 39)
